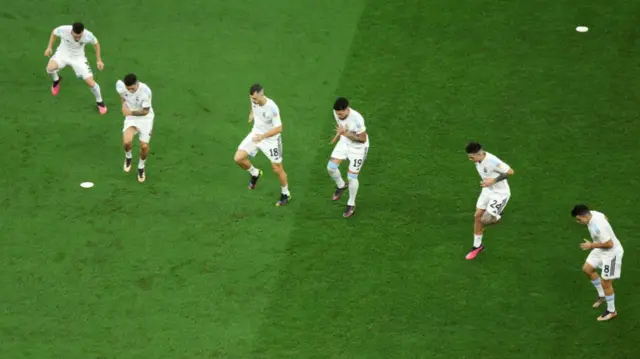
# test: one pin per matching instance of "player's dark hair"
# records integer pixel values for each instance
(130, 79)
(579, 210)
(255, 88)
(78, 27)
(341, 104)
(473, 147)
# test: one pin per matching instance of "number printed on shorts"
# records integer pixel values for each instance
(357, 162)
(497, 206)
(274, 152)
(605, 269)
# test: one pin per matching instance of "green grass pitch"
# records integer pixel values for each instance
(192, 265)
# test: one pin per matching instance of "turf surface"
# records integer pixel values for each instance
(193, 265)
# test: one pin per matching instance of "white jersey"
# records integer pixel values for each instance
(601, 231)
(354, 123)
(492, 167)
(68, 45)
(138, 100)
(266, 117)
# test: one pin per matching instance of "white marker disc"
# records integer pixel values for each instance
(582, 29)
(86, 184)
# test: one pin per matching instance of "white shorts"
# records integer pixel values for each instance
(80, 65)
(355, 155)
(144, 127)
(271, 147)
(609, 262)
(492, 202)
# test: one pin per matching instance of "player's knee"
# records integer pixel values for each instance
(587, 268)
(52, 66)
(144, 146)
(277, 167)
(488, 218)
(240, 156)
(332, 166)
(90, 82)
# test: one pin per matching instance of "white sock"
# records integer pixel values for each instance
(611, 306)
(335, 175)
(128, 154)
(96, 92)
(477, 240)
(285, 190)
(55, 76)
(141, 163)
(353, 191)
(598, 284)
(253, 171)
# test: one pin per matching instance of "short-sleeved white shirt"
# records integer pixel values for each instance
(138, 100)
(69, 46)
(354, 123)
(601, 231)
(265, 117)
(492, 167)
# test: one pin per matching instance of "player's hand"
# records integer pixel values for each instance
(586, 245)
(100, 65)
(125, 110)
(258, 138)
(488, 182)
(48, 52)
(250, 118)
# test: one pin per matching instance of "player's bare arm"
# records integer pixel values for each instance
(143, 112)
(503, 176)
(274, 131)
(52, 39)
(99, 62)
(586, 245)
(361, 137)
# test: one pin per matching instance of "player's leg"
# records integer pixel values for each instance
(272, 148)
(493, 213)
(248, 148)
(144, 137)
(285, 195)
(611, 269)
(144, 152)
(333, 168)
(589, 268)
(478, 226)
(128, 132)
(95, 90)
(54, 65)
(83, 71)
(356, 161)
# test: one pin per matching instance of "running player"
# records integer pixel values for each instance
(606, 254)
(266, 136)
(70, 52)
(138, 112)
(353, 145)
(494, 196)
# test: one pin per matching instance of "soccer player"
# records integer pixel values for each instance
(606, 254)
(138, 112)
(353, 145)
(70, 52)
(266, 136)
(494, 196)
